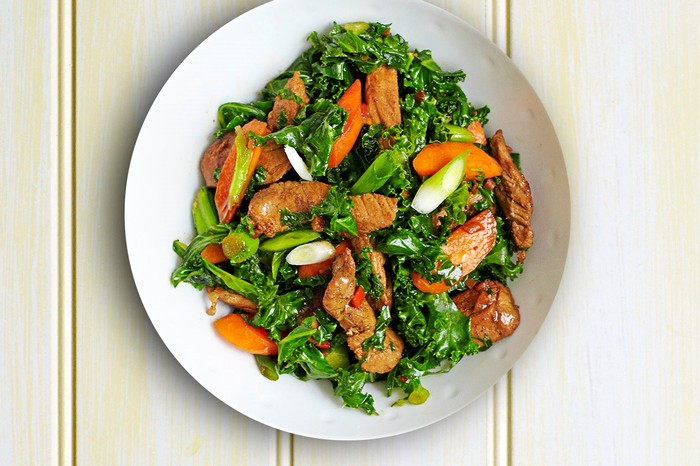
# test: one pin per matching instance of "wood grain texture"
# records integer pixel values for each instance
(465, 438)
(612, 378)
(27, 249)
(135, 403)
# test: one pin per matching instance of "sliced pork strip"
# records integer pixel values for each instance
(382, 96)
(492, 310)
(341, 287)
(378, 260)
(231, 298)
(382, 361)
(373, 212)
(288, 107)
(513, 195)
(214, 157)
(275, 162)
(295, 196)
(360, 322)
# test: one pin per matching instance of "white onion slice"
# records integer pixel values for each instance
(435, 189)
(311, 253)
(298, 163)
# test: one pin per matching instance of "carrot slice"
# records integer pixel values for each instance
(425, 286)
(227, 202)
(435, 156)
(351, 102)
(214, 253)
(234, 329)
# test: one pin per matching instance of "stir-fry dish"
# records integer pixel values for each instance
(357, 221)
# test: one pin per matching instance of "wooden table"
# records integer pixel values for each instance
(612, 377)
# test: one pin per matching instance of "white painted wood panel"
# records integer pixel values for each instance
(135, 404)
(467, 437)
(27, 249)
(613, 376)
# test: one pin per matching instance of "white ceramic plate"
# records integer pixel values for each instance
(232, 65)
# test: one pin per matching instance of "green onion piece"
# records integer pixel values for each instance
(458, 134)
(435, 189)
(356, 27)
(378, 173)
(203, 211)
(311, 253)
(288, 240)
(339, 355)
(244, 156)
(180, 248)
(266, 366)
(418, 396)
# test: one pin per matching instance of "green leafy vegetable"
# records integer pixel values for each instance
(337, 208)
(234, 114)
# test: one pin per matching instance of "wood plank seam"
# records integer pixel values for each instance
(499, 397)
(63, 147)
(285, 449)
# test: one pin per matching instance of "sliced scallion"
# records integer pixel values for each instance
(288, 240)
(435, 189)
(311, 253)
(298, 163)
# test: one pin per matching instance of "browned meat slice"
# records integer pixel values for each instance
(318, 224)
(285, 110)
(378, 267)
(373, 212)
(492, 310)
(341, 286)
(359, 323)
(376, 360)
(294, 196)
(382, 96)
(216, 294)
(214, 157)
(274, 161)
(513, 196)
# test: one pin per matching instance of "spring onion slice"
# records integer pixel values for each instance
(288, 240)
(311, 253)
(298, 163)
(435, 189)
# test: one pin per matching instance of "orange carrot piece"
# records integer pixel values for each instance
(214, 253)
(477, 131)
(224, 207)
(435, 156)
(357, 297)
(321, 268)
(234, 329)
(470, 243)
(425, 286)
(351, 102)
